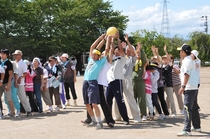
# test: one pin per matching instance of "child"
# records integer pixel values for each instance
(148, 89)
(154, 78)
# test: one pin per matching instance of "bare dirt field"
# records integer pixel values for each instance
(66, 123)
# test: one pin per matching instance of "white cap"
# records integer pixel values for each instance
(65, 55)
(195, 53)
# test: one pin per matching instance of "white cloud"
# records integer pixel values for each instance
(181, 22)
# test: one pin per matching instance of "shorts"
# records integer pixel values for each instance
(91, 93)
(8, 94)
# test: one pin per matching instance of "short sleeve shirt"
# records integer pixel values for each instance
(116, 70)
(37, 79)
(129, 64)
(7, 67)
(21, 68)
(93, 69)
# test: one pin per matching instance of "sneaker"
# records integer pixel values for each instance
(173, 115)
(86, 122)
(144, 118)
(63, 106)
(99, 125)
(126, 123)
(67, 104)
(151, 118)
(75, 104)
(28, 113)
(184, 133)
(93, 123)
(137, 121)
(49, 110)
(57, 109)
(110, 124)
(17, 114)
(182, 112)
(117, 119)
(196, 130)
(161, 117)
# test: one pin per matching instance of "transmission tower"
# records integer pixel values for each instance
(165, 29)
(205, 23)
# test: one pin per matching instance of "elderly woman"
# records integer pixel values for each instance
(38, 81)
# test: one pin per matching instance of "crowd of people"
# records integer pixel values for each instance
(120, 70)
(123, 70)
(25, 83)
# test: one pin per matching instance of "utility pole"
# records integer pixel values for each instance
(165, 29)
(205, 23)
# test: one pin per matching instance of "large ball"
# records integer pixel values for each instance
(111, 31)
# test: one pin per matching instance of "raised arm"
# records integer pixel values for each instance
(166, 52)
(129, 45)
(111, 51)
(155, 53)
(119, 44)
(93, 46)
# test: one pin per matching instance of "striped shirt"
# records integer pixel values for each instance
(175, 77)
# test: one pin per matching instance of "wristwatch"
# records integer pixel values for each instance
(183, 86)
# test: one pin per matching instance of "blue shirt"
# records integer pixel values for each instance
(93, 69)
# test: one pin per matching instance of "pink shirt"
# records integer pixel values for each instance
(148, 83)
(29, 85)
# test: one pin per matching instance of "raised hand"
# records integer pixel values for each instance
(126, 37)
(153, 48)
(165, 48)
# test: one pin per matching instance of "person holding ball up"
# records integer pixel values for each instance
(90, 85)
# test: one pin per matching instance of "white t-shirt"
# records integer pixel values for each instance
(198, 62)
(102, 77)
(21, 68)
(116, 70)
(187, 66)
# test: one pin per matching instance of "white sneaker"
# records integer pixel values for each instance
(137, 121)
(196, 130)
(182, 112)
(184, 133)
(144, 118)
(161, 117)
(57, 109)
(173, 115)
(117, 119)
(17, 114)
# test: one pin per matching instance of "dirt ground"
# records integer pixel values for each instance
(66, 123)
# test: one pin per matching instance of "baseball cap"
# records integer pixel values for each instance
(5, 51)
(186, 48)
(65, 55)
(195, 53)
(95, 51)
(52, 58)
(17, 52)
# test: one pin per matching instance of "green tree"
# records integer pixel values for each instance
(201, 42)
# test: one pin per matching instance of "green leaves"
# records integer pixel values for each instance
(45, 27)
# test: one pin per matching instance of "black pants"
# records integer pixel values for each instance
(1, 106)
(191, 110)
(105, 107)
(156, 103)
(114, 89)
(32, 101)
(162, 100)
(72, 88)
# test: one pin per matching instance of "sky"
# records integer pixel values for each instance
(184, 15)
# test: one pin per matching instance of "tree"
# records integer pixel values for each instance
(201, 42)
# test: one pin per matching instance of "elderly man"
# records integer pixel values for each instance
(22, 71)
